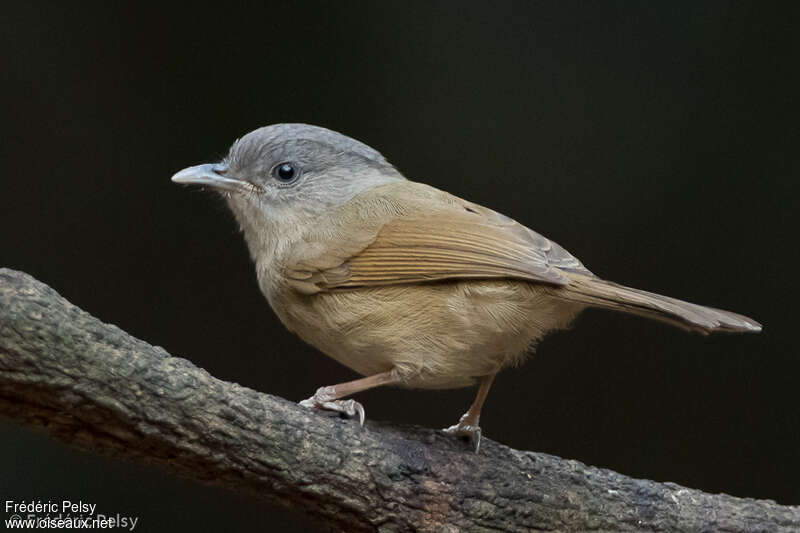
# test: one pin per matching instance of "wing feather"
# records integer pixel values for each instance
(443, 240)
(440, 248)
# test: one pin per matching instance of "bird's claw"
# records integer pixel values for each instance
(465, 428)
(348, 408)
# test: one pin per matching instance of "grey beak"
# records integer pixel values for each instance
(210, 174)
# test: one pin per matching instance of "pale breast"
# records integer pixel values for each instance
(440, 335)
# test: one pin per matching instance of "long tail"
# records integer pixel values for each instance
(600, 293)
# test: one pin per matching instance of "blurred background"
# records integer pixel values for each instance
(657, 143)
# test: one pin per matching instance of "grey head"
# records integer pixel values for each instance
(287, 169)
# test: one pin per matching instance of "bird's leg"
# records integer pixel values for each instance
(468, 424)
(327, 398)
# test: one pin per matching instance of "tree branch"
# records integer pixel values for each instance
(92, 385)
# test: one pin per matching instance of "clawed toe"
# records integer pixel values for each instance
(469, 431)
(348, 408)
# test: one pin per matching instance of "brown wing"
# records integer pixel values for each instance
(438, 248)
(466, 241)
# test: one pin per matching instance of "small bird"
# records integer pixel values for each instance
(406, 284)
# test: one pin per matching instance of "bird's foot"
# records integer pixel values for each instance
(324, 399)
(467, 428)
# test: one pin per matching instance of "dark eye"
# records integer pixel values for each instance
(284, 172)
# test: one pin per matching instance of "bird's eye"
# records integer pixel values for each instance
(285, 172)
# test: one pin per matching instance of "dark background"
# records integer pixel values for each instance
(657, 143)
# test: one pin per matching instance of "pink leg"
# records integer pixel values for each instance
(468, 424)
(327, 398)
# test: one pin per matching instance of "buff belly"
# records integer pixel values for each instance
(437, 336)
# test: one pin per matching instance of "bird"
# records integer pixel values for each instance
(406, 284)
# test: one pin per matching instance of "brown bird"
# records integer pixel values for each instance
(403, 283)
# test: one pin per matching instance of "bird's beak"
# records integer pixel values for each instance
(211, 174)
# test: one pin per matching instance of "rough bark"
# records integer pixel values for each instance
(92, 385)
